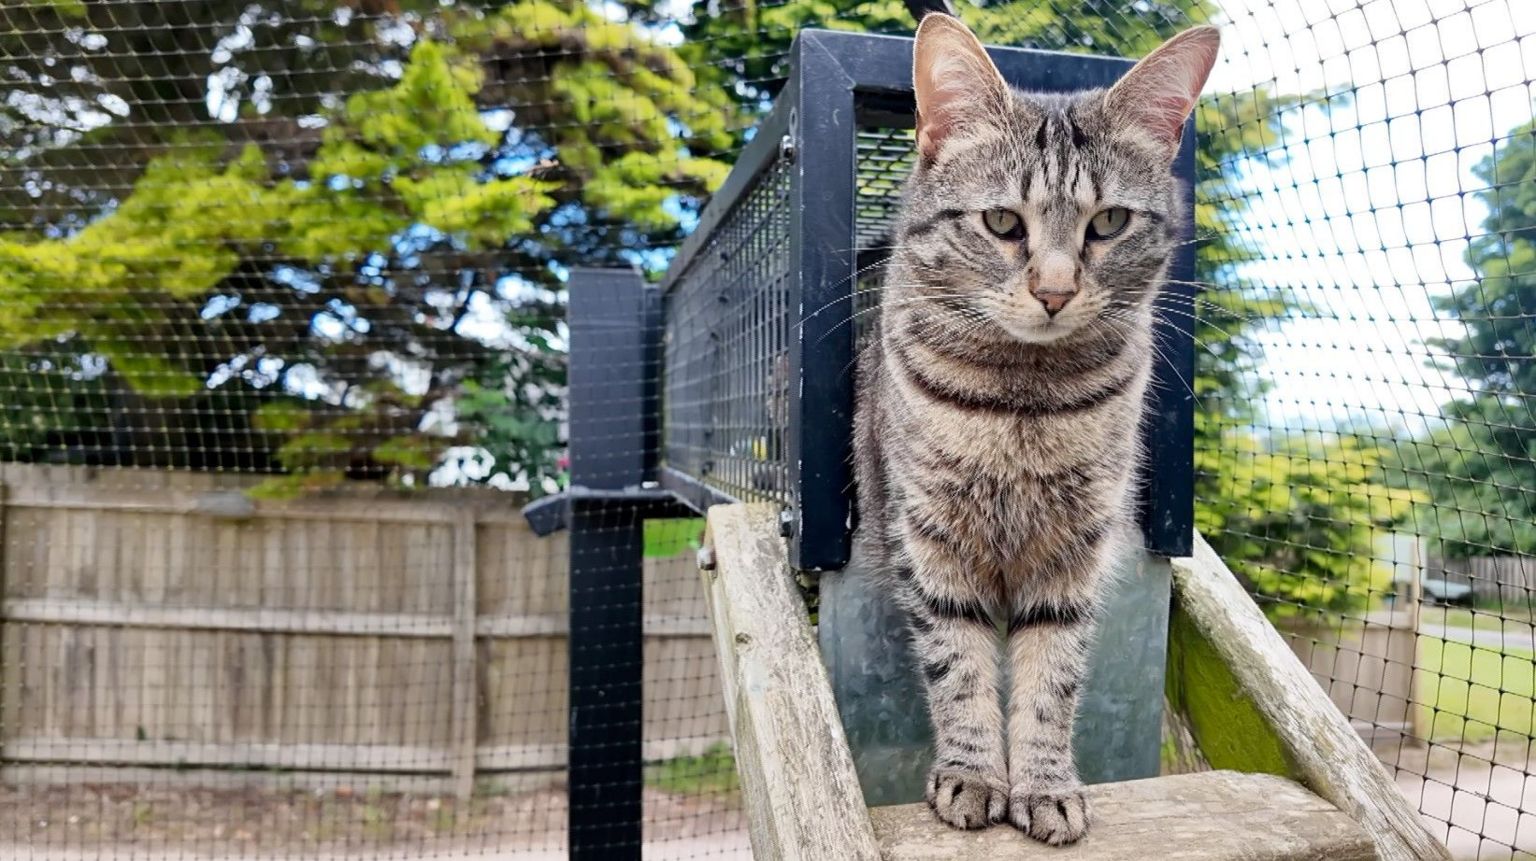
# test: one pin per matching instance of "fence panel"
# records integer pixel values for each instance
(144, 626)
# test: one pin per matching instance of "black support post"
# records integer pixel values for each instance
(822, 245)
(606, 648)
(612, 445)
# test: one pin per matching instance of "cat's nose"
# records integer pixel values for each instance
(1054, 300)
(1053, 280)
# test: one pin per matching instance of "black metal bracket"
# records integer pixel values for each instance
(550, 514)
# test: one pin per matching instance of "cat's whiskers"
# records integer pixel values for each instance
(1214, 307)
(906, 301)
(1133, 322)
(1130, 325)
(971, 324)
(1197, 319)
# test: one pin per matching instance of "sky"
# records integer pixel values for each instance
(1369, 216)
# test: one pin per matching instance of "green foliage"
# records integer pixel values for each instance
(1480, 469)
(671, 537)
(1297, 519)
(1234, 128)
(173, 240)
(311, 265)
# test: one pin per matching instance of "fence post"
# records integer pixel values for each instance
(612, 392)
(465, 694)
(4, 560)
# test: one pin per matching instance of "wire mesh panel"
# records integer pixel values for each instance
(1365, 450)
(284, 352)
(728, 324)
(276, 277)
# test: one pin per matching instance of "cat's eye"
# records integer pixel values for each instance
(1004, 223)
(1109, 223)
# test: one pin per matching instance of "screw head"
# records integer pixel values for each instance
(787, 147)
(787, 523)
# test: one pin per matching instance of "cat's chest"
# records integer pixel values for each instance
(1020, 449)
(1019, 488)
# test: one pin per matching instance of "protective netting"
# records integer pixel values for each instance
(277, 277)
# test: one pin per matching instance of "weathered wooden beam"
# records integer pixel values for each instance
(1252, 706)
(466, 695)
(799, 788)
(1211, 816)
(117, 614)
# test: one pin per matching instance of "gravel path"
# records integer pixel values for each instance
(100, 823)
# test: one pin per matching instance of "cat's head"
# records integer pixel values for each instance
(1036, 217)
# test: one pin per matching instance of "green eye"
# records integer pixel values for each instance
(1109, 223)
(1004, 223)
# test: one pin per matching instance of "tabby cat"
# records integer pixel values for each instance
(1000, 397)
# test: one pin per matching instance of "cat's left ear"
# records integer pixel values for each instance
(1154, 99)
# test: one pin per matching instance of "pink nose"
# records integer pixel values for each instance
(1054, 300)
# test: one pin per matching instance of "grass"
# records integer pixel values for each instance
(1489, 618)
(670, 537)
(713, 771)
(1471, 693)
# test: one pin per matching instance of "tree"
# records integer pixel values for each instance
(1480, 468)
(303, 283)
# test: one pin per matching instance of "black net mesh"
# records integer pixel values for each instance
(283, 350)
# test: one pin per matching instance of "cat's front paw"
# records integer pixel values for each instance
(1057, 816)
(965, 799)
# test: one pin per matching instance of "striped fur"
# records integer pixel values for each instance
(996, 442)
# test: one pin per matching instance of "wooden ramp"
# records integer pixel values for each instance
(1326, 798)
(1214, 816)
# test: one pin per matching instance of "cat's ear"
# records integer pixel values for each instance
(1155, 98)
(954, 80)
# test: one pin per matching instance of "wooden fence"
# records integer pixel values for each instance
(1366, 666)
(159, 626)
(1510, 579)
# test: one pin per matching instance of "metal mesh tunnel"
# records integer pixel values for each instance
(766, 302)
(288, 341)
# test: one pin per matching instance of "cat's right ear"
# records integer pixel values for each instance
(1154, 98)
(954, 80)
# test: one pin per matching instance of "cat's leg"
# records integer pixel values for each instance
(1048, 642)
(956, 647)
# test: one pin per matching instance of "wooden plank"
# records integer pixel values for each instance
(317, 756)
(535, 757)
(341, 623)
(799, 788)
(1252, 705)
(148, 606)
(1211, 816)
(71, 497)
(72, 612)
(465, 694)
(270, 781)
(508, 625)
